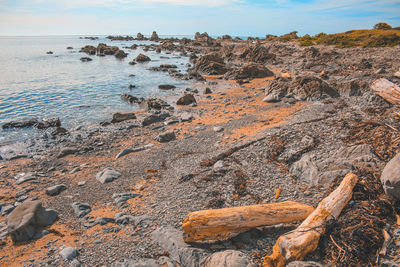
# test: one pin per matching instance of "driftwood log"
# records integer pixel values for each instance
(221, 224)
(296, 244)
(387, 90)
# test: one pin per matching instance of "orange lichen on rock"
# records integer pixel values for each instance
(221, 224)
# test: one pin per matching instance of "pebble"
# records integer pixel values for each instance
(68, 253)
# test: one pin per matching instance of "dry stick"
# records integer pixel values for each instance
(221, 224)
(297, 244)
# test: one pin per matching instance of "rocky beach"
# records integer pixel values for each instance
(262, 123)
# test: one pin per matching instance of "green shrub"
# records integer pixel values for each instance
(382, 26)
(306, 40)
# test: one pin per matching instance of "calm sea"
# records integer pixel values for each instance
(34, 84)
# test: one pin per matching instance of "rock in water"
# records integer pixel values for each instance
(186, 99)
(232, 258)
(142, 58)
(120, 54)
(107, 175)
(26, 218)
(390, 177)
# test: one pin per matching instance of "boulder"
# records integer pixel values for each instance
(154, 37)
(153, 104)
(231, 258)
(142, 58)
(210, 64)
(248, 71)
(68, 253)
(186, 99)
(152, 119)
(56, 189)
(119, 117)
(81, 209)
(89, 49)
(85, 59)
(107, 175)
(140, 37)
(23, 221)
(171, 240)
(120, 54)
(390, 178)
(166, 137)
(103, 49)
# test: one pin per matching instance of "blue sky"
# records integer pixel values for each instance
(217, 17)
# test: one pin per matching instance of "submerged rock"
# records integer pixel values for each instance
(26, 218)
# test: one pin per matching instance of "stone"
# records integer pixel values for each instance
(210, 64)
(85, 59)
(25, 123)
(81, 183)
(26, 178)
(107, 175)
(119, 117)
(387, 90)
(75, 263)
(7, 209)
(186, 99)
(186, 116)
(218, 129)
(142, 58)
(25, 219)
(219, 164)
(48, 122)
(56, 189)
(171, 240)
(127, 151)
(69, 253)
(81, 209)
(121, 198)
(390, 178)
(154, 36)
(74, 170)
(152, 119)
(166, 137)
(120, 54)
(231, 258)
(248, 71)
(207, 91)
(103, 220)
(67, 151)
(166, 87)
(130, 99)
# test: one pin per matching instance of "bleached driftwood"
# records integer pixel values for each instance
(221, 224)
(296, 244)
(387, 90)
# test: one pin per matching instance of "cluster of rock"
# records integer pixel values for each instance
(103, 50)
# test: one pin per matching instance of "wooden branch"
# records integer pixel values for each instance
(387, 90)
(297, 244)
(221, 224)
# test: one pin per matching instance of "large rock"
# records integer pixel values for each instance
(203, 39)
(152, 119)
(89, 49)
(153, 103)
(231, 258)
(81, 209)
(25, 123)
(142, 58)
(322, 172)
(23, 221)
(119, 117)
(390, 178)
(120, 54)
(154, 37)
(300, 88)
(210, 64)
(68, 253)
(107, 175)
(166, 137)
(103, 49)
(171, 240)
(55, 190)
(186, 99)
(248, 71)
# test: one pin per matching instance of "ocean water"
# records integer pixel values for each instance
(34, 84)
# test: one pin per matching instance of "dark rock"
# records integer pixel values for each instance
(120, 54)
(166, 86)
(103, 49)
(107, 175)
(152, 119)
(140, 37)
(23, 221)
(47, 123)
(153, 104)
(210, 64)
(59, 131)
(25, 123)
(86, 59)
(166, 137)
(89, 49)
(207, 91)
(154, 37)
(390, 178)
(142, 58)
(56, 189)
(248, 71)
(69, 47)
(49, 52)
(81, 209)
(186, 99)
(130, 99)
(119, 117)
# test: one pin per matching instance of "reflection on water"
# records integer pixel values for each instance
(35, 84)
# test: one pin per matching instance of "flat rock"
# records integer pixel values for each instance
(68, 253)
(107, 175)
(166, 137)
(152, 119)
(67, 151)
(121, 198)
(23, 221)
(390, 177)
(56, 189)
(26, 178)
(81, 209)
(231, 258)
(119, 117)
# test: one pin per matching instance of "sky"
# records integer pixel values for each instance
(185, 17)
